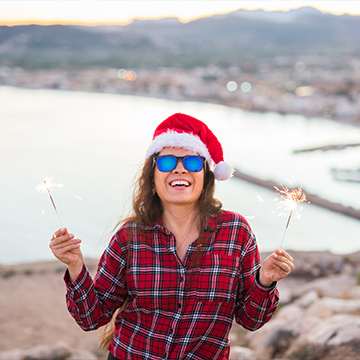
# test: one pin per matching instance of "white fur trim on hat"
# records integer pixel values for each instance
(179, 140)
(223, 171)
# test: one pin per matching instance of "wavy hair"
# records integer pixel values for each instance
(146, 209)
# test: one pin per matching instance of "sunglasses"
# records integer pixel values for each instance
(166, 163)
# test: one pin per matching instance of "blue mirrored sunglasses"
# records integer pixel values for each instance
(166, 163)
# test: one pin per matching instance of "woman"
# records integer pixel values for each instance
(180, 267)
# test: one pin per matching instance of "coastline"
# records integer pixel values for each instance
(314, 199)
(34, 309)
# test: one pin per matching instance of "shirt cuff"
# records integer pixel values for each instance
(264, 291)
(79, 280)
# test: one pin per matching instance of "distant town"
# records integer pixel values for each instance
(323, 87)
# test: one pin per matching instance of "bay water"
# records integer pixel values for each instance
(94, 144)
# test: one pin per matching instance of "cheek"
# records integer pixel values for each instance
(199, 182)
(159, 179)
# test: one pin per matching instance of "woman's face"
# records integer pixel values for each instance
(168, 192)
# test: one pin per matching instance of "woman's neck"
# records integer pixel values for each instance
(182, 224)
(180, 220)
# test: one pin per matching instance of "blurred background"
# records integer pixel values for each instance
(83, 90)
(83, 85)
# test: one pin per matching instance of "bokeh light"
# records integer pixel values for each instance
(262, 85)
(304, 91)
(245, 86)
(290, 85)
(127, 75)
(232, 86)
(300, 66)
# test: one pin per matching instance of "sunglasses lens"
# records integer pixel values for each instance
(166, 163)
(193, 163)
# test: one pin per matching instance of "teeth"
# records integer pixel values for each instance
(180, 183)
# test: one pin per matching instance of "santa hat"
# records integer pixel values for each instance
(186, 132)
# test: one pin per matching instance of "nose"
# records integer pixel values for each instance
(180, 168)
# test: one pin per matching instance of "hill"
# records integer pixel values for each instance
(222, 39)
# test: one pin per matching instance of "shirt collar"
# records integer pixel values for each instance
(211, 224)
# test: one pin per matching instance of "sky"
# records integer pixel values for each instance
(123, 12)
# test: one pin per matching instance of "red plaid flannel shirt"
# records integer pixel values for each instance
(176, 311)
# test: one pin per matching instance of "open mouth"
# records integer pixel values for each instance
(180, 183)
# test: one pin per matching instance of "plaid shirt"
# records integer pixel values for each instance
(176, 311)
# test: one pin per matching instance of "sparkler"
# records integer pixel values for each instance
(291, 199)
(45, 187)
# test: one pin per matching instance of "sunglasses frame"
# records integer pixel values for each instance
(155, 159)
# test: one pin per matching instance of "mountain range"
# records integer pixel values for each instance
(238, 36)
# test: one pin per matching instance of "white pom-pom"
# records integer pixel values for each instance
(223, 171)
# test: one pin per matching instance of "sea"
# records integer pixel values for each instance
(92, 146)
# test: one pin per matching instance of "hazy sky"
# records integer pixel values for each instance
(24, 12)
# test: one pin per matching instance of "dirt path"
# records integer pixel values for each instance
(33, 309)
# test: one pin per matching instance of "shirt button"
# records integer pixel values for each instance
(179, 306)
(181, 279)
(171, 330)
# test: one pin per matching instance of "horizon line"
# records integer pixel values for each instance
(26, 22)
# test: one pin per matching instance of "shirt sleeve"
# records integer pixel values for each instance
(92, 302)
(256, 304)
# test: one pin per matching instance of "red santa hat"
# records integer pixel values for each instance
(186, 132)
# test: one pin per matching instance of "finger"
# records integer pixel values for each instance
(62, 239)
(64, 244)
(285, 267)
(60, 232)
(284, 253)
(67, 248)
(283, 258)
(65, 253)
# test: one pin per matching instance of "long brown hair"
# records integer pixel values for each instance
(147, 207)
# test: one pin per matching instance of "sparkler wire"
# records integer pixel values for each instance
(287, 225)
(291, 199)
(53, 203)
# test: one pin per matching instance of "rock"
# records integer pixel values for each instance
(15, 354)
(82, 355)
(58, 351)
(354, 292)
(327, 307)
(340, 331)
(241, 353)
(307, 299)
(272, 340)
(333, 286)
(285, 293)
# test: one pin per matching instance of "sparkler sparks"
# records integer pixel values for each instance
(45, 187)
(291, 199)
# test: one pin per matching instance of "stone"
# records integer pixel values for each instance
(15, 354)
(241, 353)
(82, 355)
(285, 293)
(327, 307)
(330, 335)
(272, 340)
(58, 351)
(354, 292)
(332, 286)
(307, 299)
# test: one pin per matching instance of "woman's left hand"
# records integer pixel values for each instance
(275, 267)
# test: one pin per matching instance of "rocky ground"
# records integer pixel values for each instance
(318, 317)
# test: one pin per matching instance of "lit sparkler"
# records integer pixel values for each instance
(45, 187)
(291, 199)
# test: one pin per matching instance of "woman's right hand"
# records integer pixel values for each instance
(66, 248)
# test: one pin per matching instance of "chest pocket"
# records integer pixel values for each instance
(217, 276)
